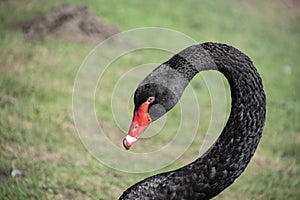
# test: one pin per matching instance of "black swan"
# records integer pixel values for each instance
(210, 174)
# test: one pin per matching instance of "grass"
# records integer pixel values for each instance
(37, 133)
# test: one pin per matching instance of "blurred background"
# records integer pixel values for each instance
(43, 44)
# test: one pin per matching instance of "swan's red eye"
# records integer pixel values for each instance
(151, 99)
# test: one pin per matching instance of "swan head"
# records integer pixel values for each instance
(151, 101)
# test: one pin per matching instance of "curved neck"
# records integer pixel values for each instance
(228, 157)
(231, 153)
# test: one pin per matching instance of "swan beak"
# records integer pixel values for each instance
(134, 134)
(140, 122)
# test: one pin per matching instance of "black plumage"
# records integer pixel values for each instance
(210, 174)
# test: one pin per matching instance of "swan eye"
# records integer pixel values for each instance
(151, 99)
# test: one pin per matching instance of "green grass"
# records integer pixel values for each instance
(37, 133)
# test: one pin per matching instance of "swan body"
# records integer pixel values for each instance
(228, 157)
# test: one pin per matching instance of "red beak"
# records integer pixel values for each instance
(140, 122)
